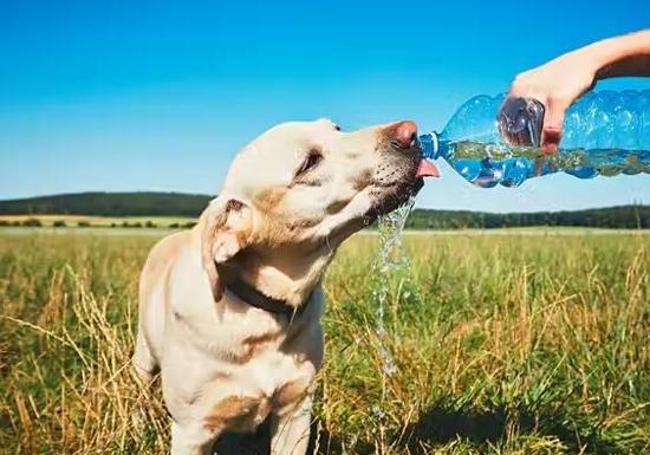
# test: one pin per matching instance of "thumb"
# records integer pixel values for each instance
(553, 123)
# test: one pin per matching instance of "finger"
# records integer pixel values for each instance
(553, 123)
(549, 149)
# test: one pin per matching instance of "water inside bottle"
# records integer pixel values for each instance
(488, 164)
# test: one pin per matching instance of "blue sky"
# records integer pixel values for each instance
(123, 96)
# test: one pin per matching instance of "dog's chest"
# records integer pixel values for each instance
(238, 341)
(245, 364)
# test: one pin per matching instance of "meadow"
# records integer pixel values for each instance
(504, 344)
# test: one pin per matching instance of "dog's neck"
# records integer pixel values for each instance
(281, 278)
(258, 299)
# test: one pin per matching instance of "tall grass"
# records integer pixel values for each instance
(504, 344)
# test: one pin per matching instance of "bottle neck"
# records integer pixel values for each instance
(430, 145)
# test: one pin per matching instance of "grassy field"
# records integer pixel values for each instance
(503, 343)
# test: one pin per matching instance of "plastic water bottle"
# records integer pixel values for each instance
(605, 133)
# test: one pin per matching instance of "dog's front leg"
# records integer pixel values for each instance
(192, 439)
(290, 430)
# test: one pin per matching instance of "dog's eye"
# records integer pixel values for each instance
(313, 158)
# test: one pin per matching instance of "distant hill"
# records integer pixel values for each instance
(109, 204)
(190, 205)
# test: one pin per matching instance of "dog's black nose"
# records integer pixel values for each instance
(405, 134)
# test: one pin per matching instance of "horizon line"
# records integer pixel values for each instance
(416, 207)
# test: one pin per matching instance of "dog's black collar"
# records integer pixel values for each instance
(255, 298)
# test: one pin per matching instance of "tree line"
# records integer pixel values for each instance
(109, 204)
(156, 204)
(622, 217)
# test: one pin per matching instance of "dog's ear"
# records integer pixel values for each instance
(226, 230)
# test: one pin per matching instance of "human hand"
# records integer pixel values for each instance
(556, 84)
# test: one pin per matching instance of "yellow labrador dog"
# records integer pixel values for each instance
(230, 310)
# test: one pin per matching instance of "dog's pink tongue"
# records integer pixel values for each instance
(427, 169)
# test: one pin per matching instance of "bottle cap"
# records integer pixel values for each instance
(435, 144)
(429, 144)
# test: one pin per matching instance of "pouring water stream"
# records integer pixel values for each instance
(392, 261)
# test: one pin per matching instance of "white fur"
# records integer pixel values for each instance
(219, 355)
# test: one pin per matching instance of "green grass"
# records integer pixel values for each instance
(504, 344)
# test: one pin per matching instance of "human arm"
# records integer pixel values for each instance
(558, 83)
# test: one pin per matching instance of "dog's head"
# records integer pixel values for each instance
(296, 192)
